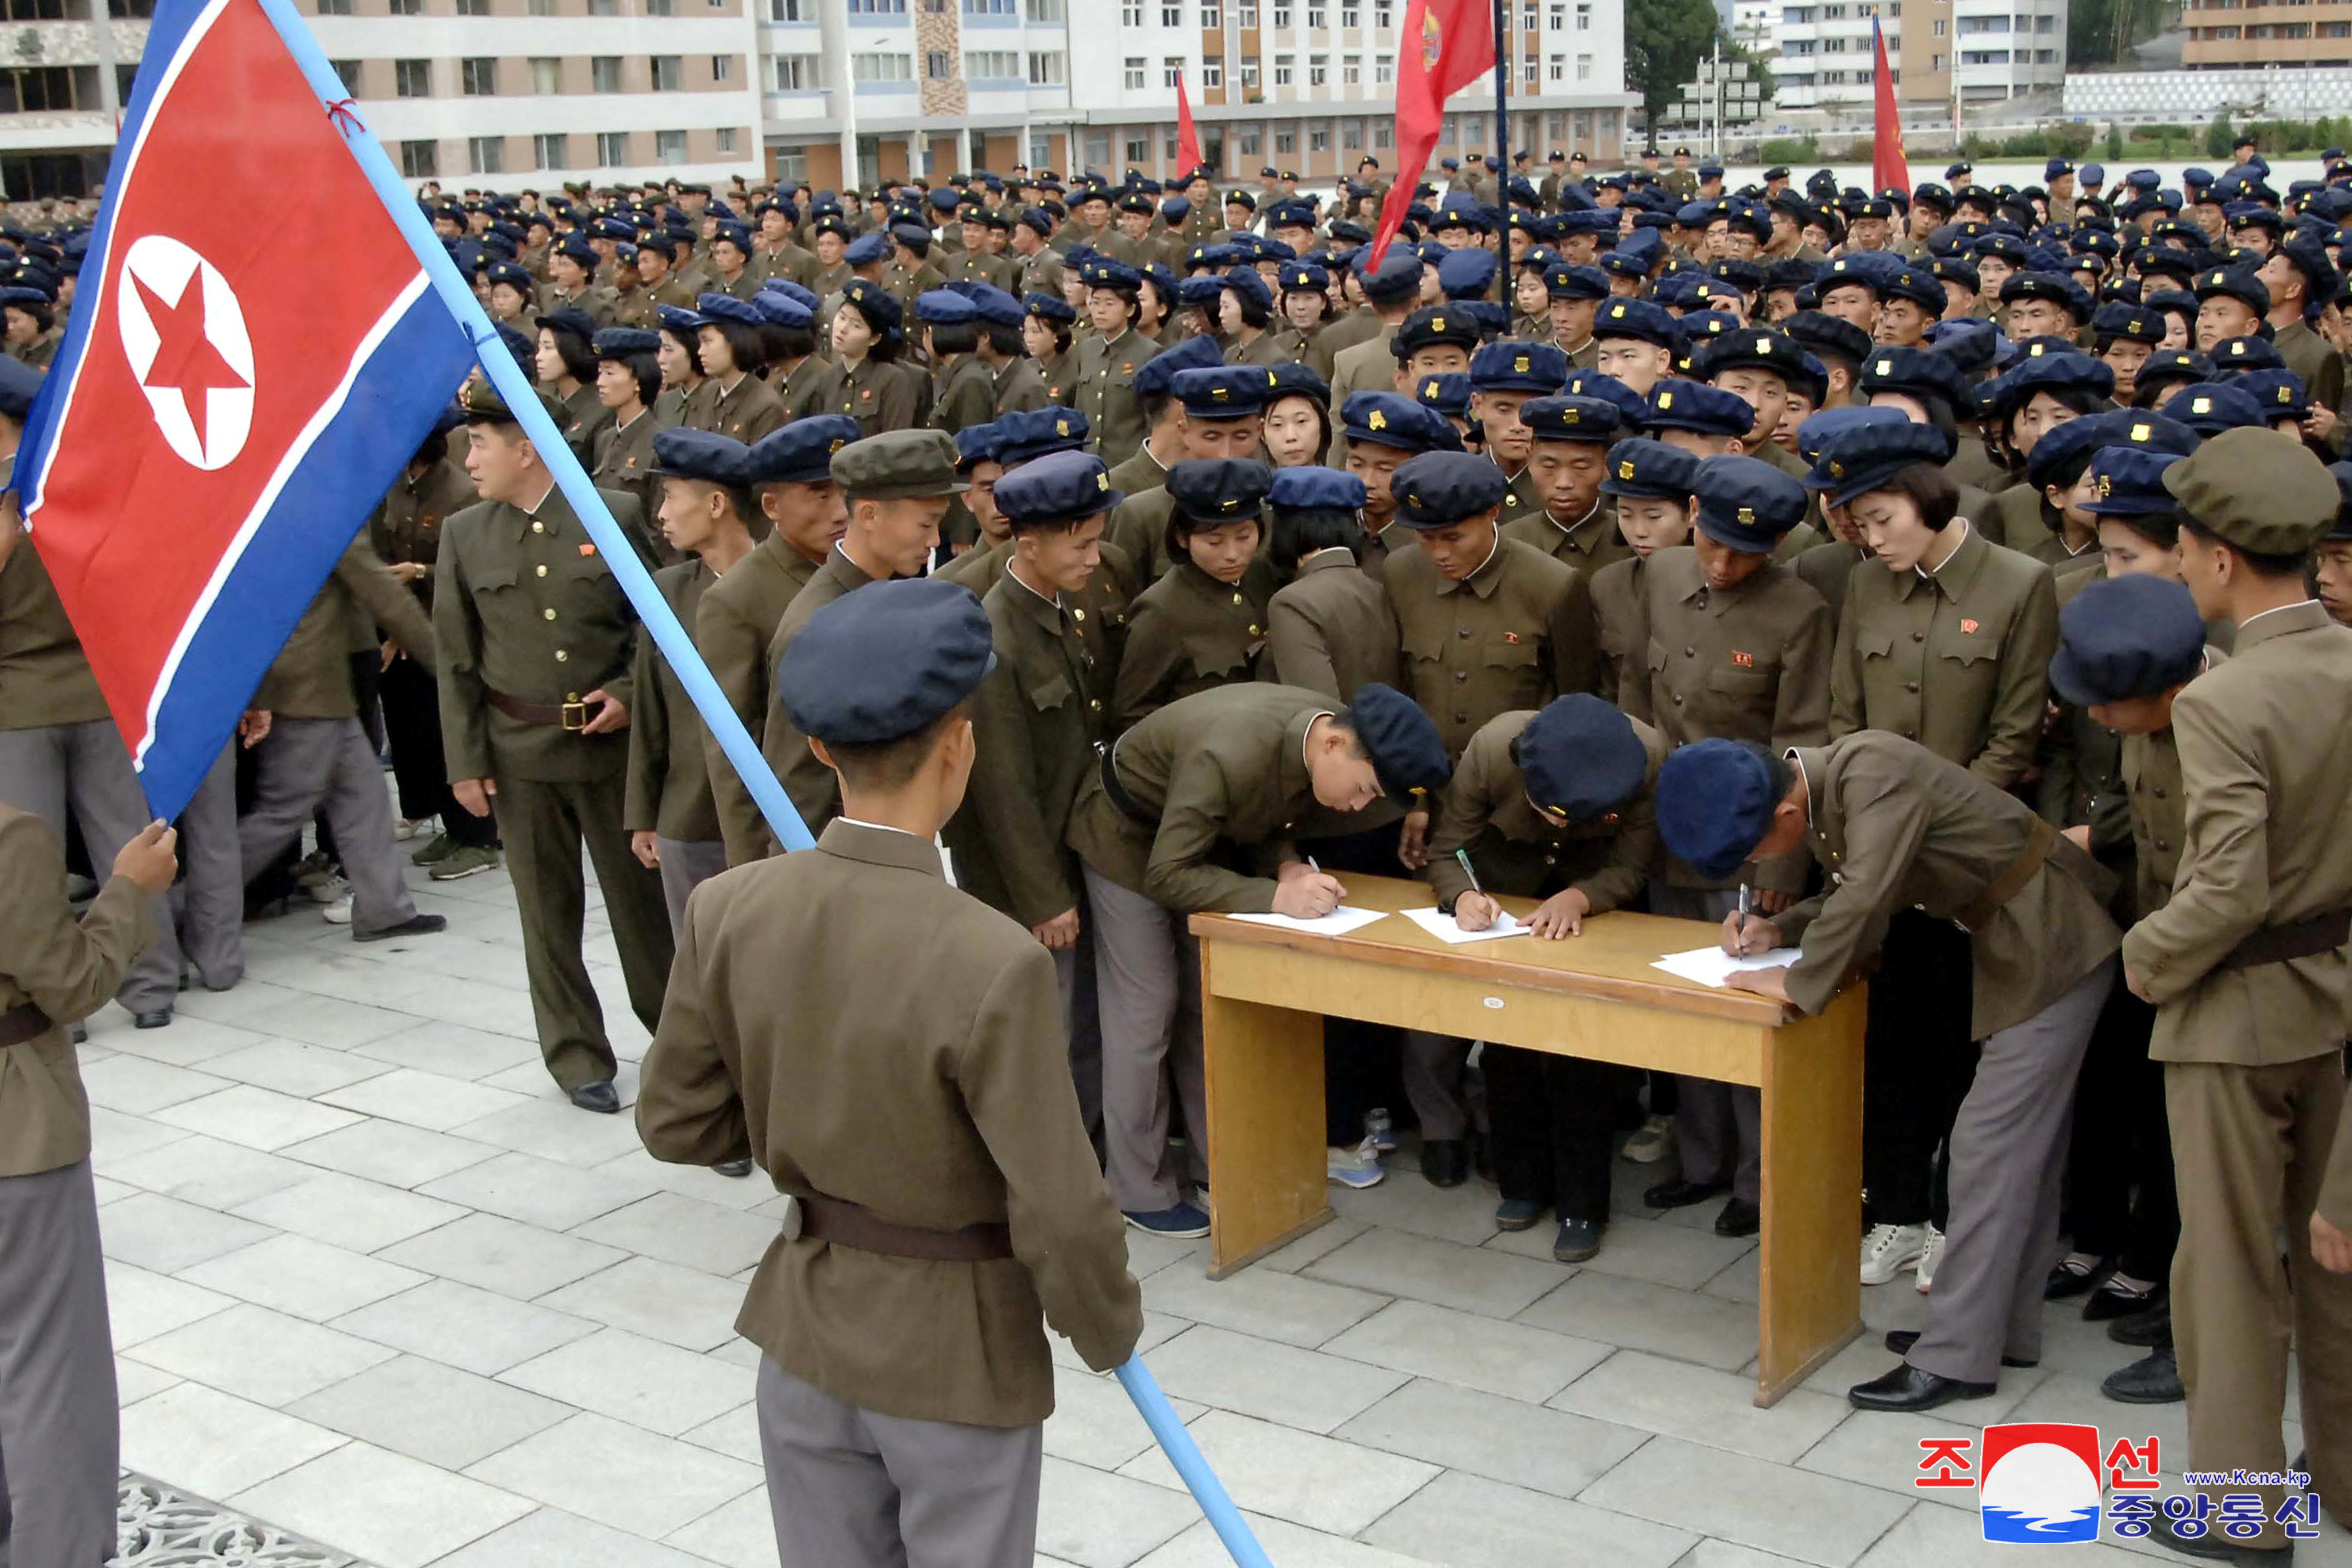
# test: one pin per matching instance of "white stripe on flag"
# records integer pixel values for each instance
(324, 415)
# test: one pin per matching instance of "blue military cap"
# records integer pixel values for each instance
(1049, 307)
(572, 319)
(2233, 282)
(1634, 264)
(1637, 320)
(687, 454)
(1407, 752)
(943, 308)
(913, 236)
(977, 444)
(1196, 353)
(1176, 209)
(1396, 277)
(1919, 372)
(2065, 450)
(2067, 371)
(735, 234)
(1746, 503)
(1228, 392)
(876, 304)
(904, 654)
(1391, 419)
(1449, 395)
(1864, 456)
(1512, 367)
(1644, 470)
(2280, 394)
(1115, 276)
(1632, 407)
(2056, 168)
(577, 247)
(496, 273)
(679, 319)
(1570, 280)
(1594, 221)
(1025, 434)
(993, 305)
(1715, 800)
(2132, 635)
(2210, 409)
(2129, 482)
(2056, 287)
(1059, 487)
(1749, 348)
(866, 250)
(624, 342)
(1292, 379)
(1304, 278)
(1594, 420)
(1435, 325)
(1309, 488)
(781, 310)
(2128, 322)
(1692, 405)
(1580, 757)
(1218, 490)
(19, 382)
(1439, 489)
(727, 308)
(1245, 282)
(1202, 292)
(1467, 274)
(2245, 354)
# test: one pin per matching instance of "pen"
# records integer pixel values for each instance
(1463, 856)
(1313, 867)
(1747, 896)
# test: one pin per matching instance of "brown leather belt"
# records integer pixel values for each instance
(2013, 879)
(22, 1022)
(847, 1225)
(1134, 810)
(564, 715)
(2297, 939)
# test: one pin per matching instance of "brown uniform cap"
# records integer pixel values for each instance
(899, 464)
(2259, 490)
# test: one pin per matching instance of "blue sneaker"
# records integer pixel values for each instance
(1518, 1213)
(1358, 1168)
(1183, 1223)
(1577, 1240)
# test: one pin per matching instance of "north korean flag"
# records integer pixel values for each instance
(254, 354)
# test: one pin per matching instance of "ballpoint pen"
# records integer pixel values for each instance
(1746, 898)
(1462, 855)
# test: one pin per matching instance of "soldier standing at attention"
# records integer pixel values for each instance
(1503, 375)
(1107, 362)
(628, 379)
(60, 1442)
(2246, 967)
(1649, 483)
(966, 394)
(905, 1378)
(535, 642)
(1569, 515)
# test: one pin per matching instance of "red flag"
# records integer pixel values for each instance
(1188, 139)
(1448, 45)
(1889, 170)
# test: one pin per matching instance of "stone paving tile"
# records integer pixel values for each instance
(425, 1100)
(1101, 1521)
(389, 1152)
(1712, 1491)
(291, 1068)
(499, 1255)
(681, 1307)
(738, 1534)
(142, 1304)
(536, 1192)
(215, 1443)
(1630, 1312)
(1479, 1523)
(137, 1087)
(349, 1212)
(430, 1412)
(210, 1172)
(1094, 1423)
(261, 1356)
(550, 1538)
(685, 1231)
(256, 1117)
(1270, 1305)
(1705, 1406)
(167, 1236)
(654, 1387)
(471, 1329)
(1319, 1482)
(306, 1278)
(1472, 1279)
(618, 1475)
(1291, 1545)
(387, 1509)
(1509, 1359)
(1274, 1382)
(1486, 1435)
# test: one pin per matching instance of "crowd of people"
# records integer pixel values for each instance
(1946, 582)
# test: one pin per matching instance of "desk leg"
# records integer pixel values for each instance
(1811, 1297)
(1265, 1071)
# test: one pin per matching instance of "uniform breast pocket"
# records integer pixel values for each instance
(1050, 694)
(1969, 658)
(1873, 643)
(1743, 687)
(1424, 645)
(1510, 653)
(492, 585)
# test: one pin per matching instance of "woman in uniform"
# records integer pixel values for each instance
(2043, 393)
(1297, 432)
(739, 405)
(867, 383)
(628, 378)
(566, 363)
(1245, 317)
(679, 353)
(1045, 324)
(1203, 624)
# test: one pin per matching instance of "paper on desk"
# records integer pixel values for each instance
(1444, 927)
(1338, 922)
(1713, 966)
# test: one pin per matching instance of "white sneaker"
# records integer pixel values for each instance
(1929, 1255)
(409, 827)
(332, 890)
(338, 913)
(1358, 1167)
(1651, 1142)
(1888, 1249)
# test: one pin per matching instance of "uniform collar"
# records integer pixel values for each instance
(875, 846)
(552, 509)
(1487, 579)
(1326, 560)
(844, 566)
(2284, 621)
(1047, 613)
(1570, 528)
(1290, 761)
(1959, 571)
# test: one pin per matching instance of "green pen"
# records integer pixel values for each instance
(1463, 856)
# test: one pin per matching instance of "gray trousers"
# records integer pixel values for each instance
(58, 1439)
(850, 1488)
(1431, 1070)
(2008, 1154)
(307, 764)
(1718, 1126)
(84, 768)
(1148, 985)
(208, 900)
(685, 864)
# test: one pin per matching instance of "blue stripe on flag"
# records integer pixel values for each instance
(394, 397)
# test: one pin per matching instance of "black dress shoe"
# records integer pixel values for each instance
(1444, 1162)
(1900, 1342)
(2216, 1547)
(1739, 1217)
(2064, 1282)
(415, 925)
(2148, 1326)
(2106, 1305)
(159, 1019)
(598, 1097)
(1909, 1387)
(2153, 1379)
(738, 1168)
(1679, 1194)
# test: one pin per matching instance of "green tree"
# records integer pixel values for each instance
(2217, 136)
(1664, 41)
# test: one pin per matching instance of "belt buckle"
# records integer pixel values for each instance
(575, 715)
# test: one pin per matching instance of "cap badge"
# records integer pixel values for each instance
(1666, 400)
(1430, 390)
(2144, 432)
(1102, 481)
(1571, 416)
(1377, 421)
(1060, 426)
(1837, 469)
(1520, 365)
(2106, 486)
(1747, 517)
(1764, 345)
(1886, 367)
(1437, 324)
(1217, 394)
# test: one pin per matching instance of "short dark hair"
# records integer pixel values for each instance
(578, 359)
(1300, 534)
(1929, 489)
(647, 370)
(954, 337)
(2161, 529)
(691, 341)
(743, 341)
(893, 763)
(1181, 528)
(2261, 564)
(787, 342)
(1005, 340)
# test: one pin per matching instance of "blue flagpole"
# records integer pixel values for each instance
(1241, 1543)
(521, 397)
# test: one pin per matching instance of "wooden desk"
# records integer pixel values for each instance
(1264, 992)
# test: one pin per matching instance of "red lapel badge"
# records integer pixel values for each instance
(1744, 660)
(587, 550)
(1970, 627)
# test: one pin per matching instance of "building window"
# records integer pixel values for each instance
(668, 72)
(1282, 18)
(473, 7)
(420, 159)
(1383, 135)
(1584, 17)
(1048, 70)
(1045, 10)
(1213, 73)
(1172, 16)
(877, 7)
(1351, 71)
(407, 7)
(1382, 15)
(722, 68)
(348, 73)
(1351, 16)
(792, 10)
(1317, 18)
(796, 73)
(1098, 146)
(552, 150)
(881, 67)
(487, 153)
(1319, 137)
(1559, 17)
(1253, 144)
(1171, 70)
(657, 7)
(604, 73)
(1213, 15)
(612, 149)
(1319, 69)
(603, 7)
(1246, 13)
(478, 77)
(1584, 68)
(1137, 150)
(937, 65)
(1249, 71)
(1132, 75)
(1282, 70)
(669, 147)
(993, 65)
(334, 7)
(792, 165)
(1040, 149)
(727, 134)
(1286, 139)
(1130, 12)
(412, 79)
(1384, 70)
(1528, 72)
(546, 75)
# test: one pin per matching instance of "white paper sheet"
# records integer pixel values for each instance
(1338, 922)
(1442, 926)
(1713, 966)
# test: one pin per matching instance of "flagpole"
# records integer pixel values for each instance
(522, 397)
(1503, 274)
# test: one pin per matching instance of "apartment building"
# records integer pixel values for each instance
(2228, 35)
(505, 93)
(1944, 55)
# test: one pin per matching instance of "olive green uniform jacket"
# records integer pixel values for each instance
(733, 623)
(1515, 633)
(45, 677)
(744, 412)
(816, 792)
(311, 676)
(669, 782)
(1485, 810)
(1102, 389)
(1188, 632)
(405, 527)
(1329, 629)
(787, 1035)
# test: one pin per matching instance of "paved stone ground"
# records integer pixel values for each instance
(375, 1283)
